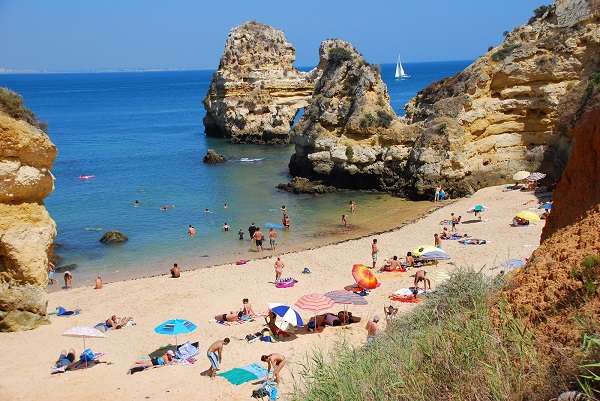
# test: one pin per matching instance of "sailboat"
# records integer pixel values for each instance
(400, 71)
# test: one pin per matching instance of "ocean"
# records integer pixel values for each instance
(140, 134)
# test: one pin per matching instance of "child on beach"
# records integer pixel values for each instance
(344, 219)
(272, 236)
(241, 235)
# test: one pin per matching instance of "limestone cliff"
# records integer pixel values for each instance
(26, 229)
(256, 92)
(475, 129)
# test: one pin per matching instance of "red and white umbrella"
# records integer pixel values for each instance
(314, 303)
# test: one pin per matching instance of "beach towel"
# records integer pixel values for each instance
(244, 374)
(60, 311)
(187, 350)
(405, 298)
(473, 242)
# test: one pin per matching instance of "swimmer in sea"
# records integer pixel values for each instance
(225, 227)
(191, 230)
(207, 211)
(136, 203)
(283, 209)
(225, 206)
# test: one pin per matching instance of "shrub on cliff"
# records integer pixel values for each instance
(339, 54)
(504, 52)
(11, 103)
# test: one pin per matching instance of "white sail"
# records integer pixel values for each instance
(399, 70)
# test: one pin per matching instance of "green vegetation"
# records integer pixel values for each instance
(339, 54)
(591, 378)
(459, 345)
(384, 119)
(11, 103)
(540, 11)
(505, 51)
(349, 152)
(587, 273)
(593, 83)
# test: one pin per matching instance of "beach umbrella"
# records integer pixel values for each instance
(439, 276)
(346, 298)
(418, 251)
(314, 303)
(364, 277)
(438, 254)
(528, 215)
(535, 176)
(478, 208)
(287, 313)
(84, 332)
(175, 327)
(521, 175)
(547, 206)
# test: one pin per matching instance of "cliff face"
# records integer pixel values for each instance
(26, 229)
(256, 92)
(477, 128)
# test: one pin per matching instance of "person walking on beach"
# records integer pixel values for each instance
(344, 219)
(175, 271)
(277, 361)
(241, 235)
(258, 238)
(279, 265)
(51, 273)
(454, 221)
(374, 251)
(436, 197)
(272, 236)
(372, 329)
(215, 355)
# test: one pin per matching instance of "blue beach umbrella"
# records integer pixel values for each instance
(174, 327)
(287, 313)
(547, 206)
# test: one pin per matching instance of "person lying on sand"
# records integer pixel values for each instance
(65, 361)
(229, 317)
(473, 241)
(166, 359)
(115, 322)
(391, 265)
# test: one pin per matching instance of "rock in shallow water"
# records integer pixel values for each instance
(113, 237)
(213, 157)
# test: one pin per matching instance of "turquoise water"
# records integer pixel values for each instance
(141, 136)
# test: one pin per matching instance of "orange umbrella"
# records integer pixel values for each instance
(364, 277)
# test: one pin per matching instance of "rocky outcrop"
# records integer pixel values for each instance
(213, 157)
(300, 185)
(113, 237)
(473, 130)
(26, 229)
(345, 134)
(256, 92)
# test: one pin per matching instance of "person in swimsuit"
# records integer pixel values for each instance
(279, 265)
(344, 219)
(391, 265)
(175, 271)
(191, 230)
(258, 238)
(65, 361)
(225, 227)
(372, 329)
(229, 317)
(420, 276)
(51, 273)
(116, 323)
(374, 251)
(68, 280)
(436, 197)
(410, 260)
(214, 354)
(241, 235)
(277, 361)
(437, 240)
(286, 221)
(352, 206)
(272, 236)
(166, 359)
(247, 308)
(99, 284)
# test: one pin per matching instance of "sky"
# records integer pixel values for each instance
(79, 35)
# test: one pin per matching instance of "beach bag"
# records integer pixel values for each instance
(87, 355)
(270, 390)
(259, 393)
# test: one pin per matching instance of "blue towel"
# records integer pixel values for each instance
(244, 374)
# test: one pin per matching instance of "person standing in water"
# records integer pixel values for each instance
(344, 219)
(272, 236)
(352, 206)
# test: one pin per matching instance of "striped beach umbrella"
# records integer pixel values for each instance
(346, 297)
(435, 255)
(174, 327)
(521, 175)
(314, 303)
(439, 276)
(287, 313)
(418, 251)
(535, 176)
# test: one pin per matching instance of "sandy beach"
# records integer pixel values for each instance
(198, 295)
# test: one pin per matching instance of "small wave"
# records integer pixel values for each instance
(92, 228)
(248, 160)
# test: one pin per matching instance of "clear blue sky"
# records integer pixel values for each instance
(72, 35)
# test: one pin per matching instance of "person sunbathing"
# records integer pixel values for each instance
(391, 265)
(65, 361)
(473, 241)
(115, 322)
(229, 317)
(445, 234)
(247, 308)
(166, 359)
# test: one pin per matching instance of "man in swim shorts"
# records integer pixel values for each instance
(374, 251)
(214, 354)
(258, 237)
(272, 236)
(229, 317)
(175, 271)
(65, 361)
